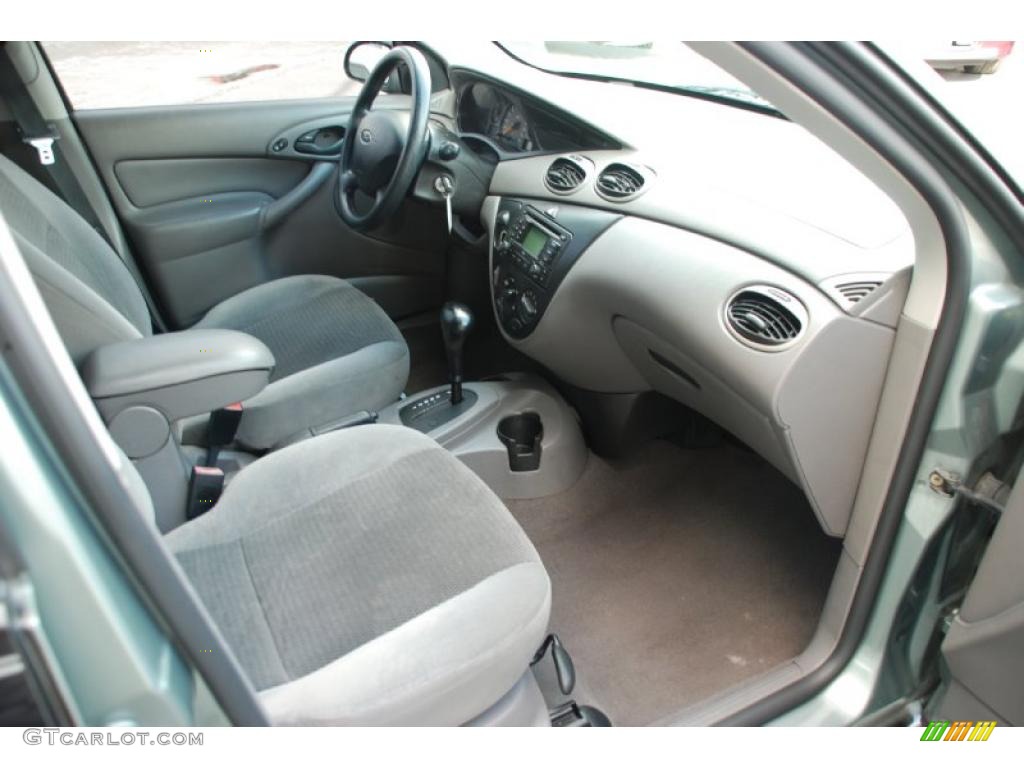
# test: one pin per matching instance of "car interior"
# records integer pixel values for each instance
(457, 407)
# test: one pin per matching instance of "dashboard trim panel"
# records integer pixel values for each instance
(733, 217)
(643, 293)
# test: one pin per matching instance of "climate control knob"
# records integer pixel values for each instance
(528, 302)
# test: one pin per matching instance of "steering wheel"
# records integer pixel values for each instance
(384, 149)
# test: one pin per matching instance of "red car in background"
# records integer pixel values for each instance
(976, 57)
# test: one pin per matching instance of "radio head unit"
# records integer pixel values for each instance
(531, 255)
(532, 241)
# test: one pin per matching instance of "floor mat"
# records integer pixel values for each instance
(677, 573)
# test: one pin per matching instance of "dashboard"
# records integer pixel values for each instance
(749, 314)
(519, 124)
(722, 258)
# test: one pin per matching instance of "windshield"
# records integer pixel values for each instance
(662, 65)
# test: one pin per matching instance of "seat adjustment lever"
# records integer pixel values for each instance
(565, 670)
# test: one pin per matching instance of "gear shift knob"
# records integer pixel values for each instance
(456, 322)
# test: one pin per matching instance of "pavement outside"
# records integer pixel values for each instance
(96, 75)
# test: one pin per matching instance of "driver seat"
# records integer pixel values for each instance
(337, 351)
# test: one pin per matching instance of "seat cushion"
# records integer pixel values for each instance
(337, 353)
(368, 577)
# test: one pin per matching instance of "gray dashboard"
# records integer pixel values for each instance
(775, 219)
(731, 200)
(643, 307)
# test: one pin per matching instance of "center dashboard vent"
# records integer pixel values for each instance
(620, 182)
(565, 175)
(766, 316)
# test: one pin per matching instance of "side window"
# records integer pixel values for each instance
(138, 74)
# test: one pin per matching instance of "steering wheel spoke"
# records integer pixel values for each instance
(347, 181)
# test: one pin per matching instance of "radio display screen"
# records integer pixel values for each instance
(534, 241)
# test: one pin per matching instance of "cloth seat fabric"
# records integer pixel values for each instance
(337, 351)
(367, 577)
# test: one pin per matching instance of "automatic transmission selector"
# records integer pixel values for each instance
(437, 407)
(456, 322)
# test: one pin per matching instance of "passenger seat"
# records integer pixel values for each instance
(367, 577)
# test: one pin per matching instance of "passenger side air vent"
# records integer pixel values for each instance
(620, 182)
(765, 316)
(851, 288)
(564, 175)
(854, 292)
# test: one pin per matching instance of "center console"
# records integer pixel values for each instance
(515, 432)
(534, 245)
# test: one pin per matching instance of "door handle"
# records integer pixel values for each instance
(277, 211)
(321, 141)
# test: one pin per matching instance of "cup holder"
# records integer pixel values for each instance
(522, 434)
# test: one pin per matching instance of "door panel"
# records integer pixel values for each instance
(151, 182)
(200, 130)
(199, 251)
(983, 647)
(194, 186)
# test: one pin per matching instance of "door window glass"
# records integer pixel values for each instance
(98, 75)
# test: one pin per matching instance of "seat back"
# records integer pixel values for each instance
(91, 294)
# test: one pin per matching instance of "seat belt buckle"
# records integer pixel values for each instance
(221, 430)
(204, 489)
(43, 146)
(223, 425)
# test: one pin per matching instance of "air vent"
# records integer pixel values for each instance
(766, 316)
(620, 182)
(854, 292)
(850, 289)
(564, 175)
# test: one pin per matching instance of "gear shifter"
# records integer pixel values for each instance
(435, 407)
(456, 322)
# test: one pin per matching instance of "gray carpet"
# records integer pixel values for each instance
(678, 573)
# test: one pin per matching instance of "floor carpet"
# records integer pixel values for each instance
(677, 573)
